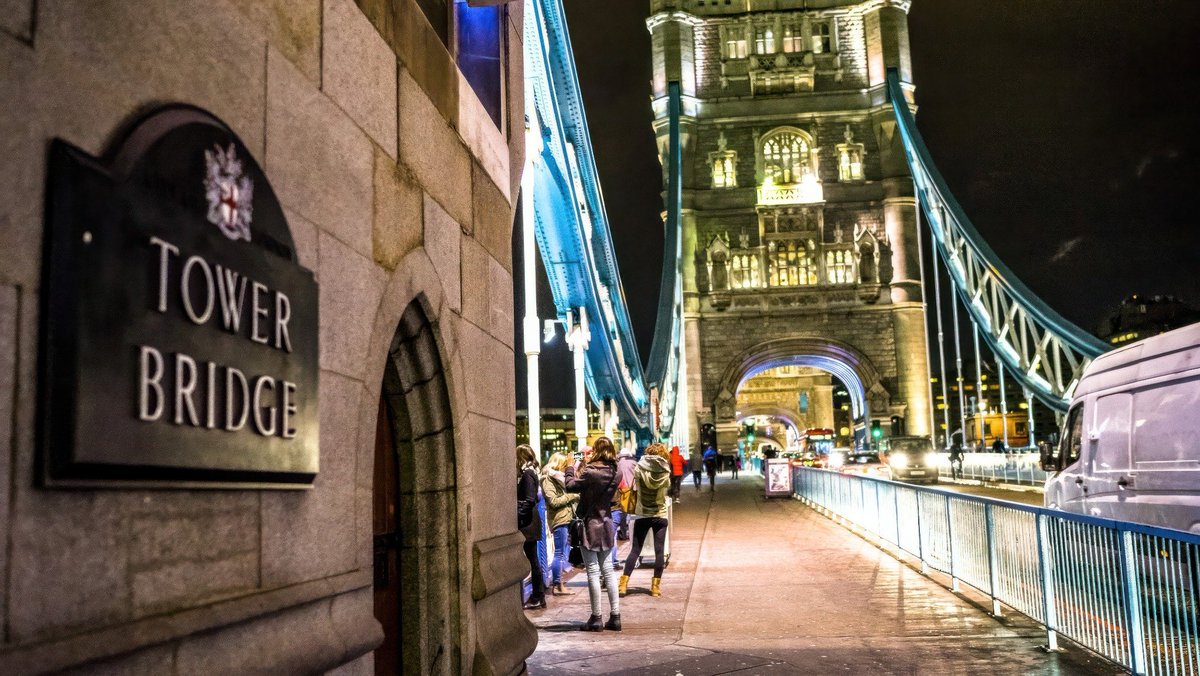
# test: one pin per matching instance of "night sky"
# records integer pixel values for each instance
(1065, 128)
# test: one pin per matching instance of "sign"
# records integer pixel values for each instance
(178, 331)
(779, 477)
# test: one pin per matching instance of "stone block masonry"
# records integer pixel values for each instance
(399, 192)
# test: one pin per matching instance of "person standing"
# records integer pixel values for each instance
(652, 479)
(625, 465)
(529, 522)
(956, 461)
(710, 466)
(560, 509)
(596, 483)
(737, 464)
(998, 446)
(677, 465)
(696, 461)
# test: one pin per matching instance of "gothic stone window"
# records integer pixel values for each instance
(724, 168)
(850, 159)
(793, 40)
(743, 270)
(764, 39)
(839, 266)
(735, 42)
(822, 37)
(787, 157)
(791, 264)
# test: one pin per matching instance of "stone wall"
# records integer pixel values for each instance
(398, 188)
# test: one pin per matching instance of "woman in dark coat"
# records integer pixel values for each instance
(529, 522)
(596, 483)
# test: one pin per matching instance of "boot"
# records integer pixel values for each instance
(593, 624)
(614, 622)
(560, 589)
(535, 603)
(623, 586)
(656, 587)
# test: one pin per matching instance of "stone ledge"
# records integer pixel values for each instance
(114, 640)
(499, 563)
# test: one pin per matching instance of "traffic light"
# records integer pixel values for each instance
(876, 430)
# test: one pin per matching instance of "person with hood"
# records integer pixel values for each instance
(653, 481)
(529, 522)
(560, 509)
(596, 484)
(625, 465)
(677, 465)
(710, 466)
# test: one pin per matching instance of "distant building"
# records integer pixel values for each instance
(1139, 317)
(558, 429)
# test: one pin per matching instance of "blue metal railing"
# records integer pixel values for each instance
(1126, 591)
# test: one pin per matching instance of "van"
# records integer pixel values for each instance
(1130, 445)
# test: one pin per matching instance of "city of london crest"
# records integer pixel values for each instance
(230, 193)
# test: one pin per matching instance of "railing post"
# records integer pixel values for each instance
(1133, 604)
(1049, 608)
(899, 539)
(921, 537)
(950, 545)
(993, 571)
(878, 516)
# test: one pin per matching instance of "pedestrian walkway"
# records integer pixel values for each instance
(771, 587)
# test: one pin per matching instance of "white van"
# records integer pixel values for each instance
(1130, 446)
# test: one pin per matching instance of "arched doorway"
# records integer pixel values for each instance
(415, 508)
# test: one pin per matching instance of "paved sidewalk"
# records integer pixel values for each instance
(771, 587)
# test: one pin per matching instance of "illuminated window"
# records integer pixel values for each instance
(744, 272)
(786, 158)
(735, 42)
(724, 169)
(839, 266)
(480, 54)
(764, 40)
(850, 164)
(793, 41)
(822, 37)
(791, 264)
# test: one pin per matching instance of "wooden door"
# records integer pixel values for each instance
(387, 543)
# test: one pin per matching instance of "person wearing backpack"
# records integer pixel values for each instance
(652, 482)
(624, 504)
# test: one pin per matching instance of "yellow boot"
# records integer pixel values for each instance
(656, 587)
(623, 586)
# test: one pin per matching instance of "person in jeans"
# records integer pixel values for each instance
(596, 483)
(560, 509)
(653, 480)
(625, 465)
(677, 465)
(529, 522)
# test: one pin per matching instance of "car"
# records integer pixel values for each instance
(865, 463)
(912, 459)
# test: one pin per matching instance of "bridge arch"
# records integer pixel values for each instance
(846, 362)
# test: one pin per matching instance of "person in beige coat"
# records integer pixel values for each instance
(652, 480)
(560, 509)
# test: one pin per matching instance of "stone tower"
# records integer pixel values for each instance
(800, 239)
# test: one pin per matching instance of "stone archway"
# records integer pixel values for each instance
(415, 507)
(849, 364)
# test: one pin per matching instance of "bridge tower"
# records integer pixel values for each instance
(800, 240)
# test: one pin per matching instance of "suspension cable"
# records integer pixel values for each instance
(1003, 402)
(962, 397)
(979, 412)
(925, 328)
(941, 336)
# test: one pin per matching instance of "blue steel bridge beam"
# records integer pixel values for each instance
(1045, 352)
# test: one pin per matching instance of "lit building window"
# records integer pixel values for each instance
(724, 165)
(786, 158)
(744, 272)
(764, 40)
(791, 264)
(850, 158)
(793, 40)
(822, 37)
(735, 42)
(839, 266)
